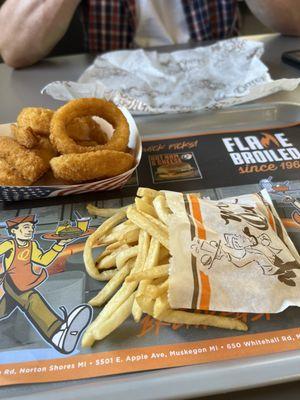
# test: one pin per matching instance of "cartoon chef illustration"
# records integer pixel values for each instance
(21, 255)
(242, 250)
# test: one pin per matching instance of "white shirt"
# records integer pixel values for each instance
(160, 22)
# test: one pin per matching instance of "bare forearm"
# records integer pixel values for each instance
(280, 15)
(31, 28)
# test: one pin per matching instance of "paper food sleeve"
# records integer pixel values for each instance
(230, 255)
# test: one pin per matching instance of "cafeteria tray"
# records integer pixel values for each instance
(196, 380)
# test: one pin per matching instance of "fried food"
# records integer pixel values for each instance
(45, 150)
(86, 129)
(75, 135)
(9, 176)
(103, 212)
(87, 143)
(33, 122)
(141, 280)
(87, 166)
(25, 162)
(37, 119)
(24, 136)
(88, 107)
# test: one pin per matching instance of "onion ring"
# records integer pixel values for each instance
(88, 107)
(99, 164)
(84, 129)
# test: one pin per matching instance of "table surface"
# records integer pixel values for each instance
(20, 88)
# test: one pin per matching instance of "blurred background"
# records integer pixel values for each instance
(72, 42)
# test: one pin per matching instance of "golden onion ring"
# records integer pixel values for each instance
(88, 107)
(99, 164)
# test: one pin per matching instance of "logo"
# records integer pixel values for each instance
(267, 139)
(24, 255)
(260, 148)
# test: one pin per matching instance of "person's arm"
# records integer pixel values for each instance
(280, 15)
(31, 28)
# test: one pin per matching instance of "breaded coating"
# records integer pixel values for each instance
(24, 136)
(9, 176)
(86, 143)
(93, 165)
(26, 163)
(83, 108)
(45, 150)
(36, 118)
(85, 128)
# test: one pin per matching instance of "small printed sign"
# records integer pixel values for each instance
(174, 167)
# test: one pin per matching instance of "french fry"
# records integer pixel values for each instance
(146, 303)
(159, 281)
(161, 208)
(124, 256)
(103, 212)
(107, 226)
(109, 250)
(110, 288)
(89, 263)
(153, 254)
(156, 272)
(163, 255)
(147, 192)
(147, 199)
(143, 248)
(114, 246)
(114, 303)
(116, 319)
(131, 236)
(102, 230)
(88, 338)
(118, 235)
(189, 318)
(144, 207)
(98, 331)
(138, 251)
(127, 288)
(158, 290)
(152, 229)
(151, 261)
(117, 299)
(183, 317)
(161, 305)
(108, 274)
(156, 222)
(109, 261)
(122, 225)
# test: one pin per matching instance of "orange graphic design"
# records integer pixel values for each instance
(205, 285)
(267, 139)
(24, 255)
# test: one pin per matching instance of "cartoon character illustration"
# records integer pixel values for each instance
(296, 205)
(242, 250)
(282, 190)
(21, 255)
(274, 188)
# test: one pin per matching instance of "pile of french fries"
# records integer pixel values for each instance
(135, 263)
